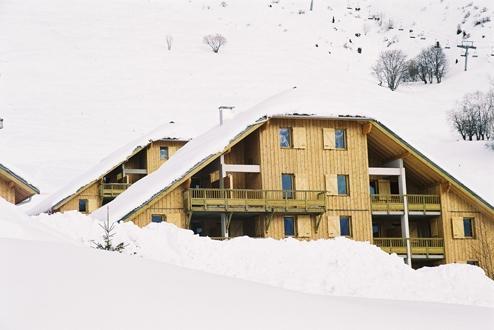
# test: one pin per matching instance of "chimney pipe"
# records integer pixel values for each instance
(221, 108)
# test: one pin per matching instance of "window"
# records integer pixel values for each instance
(468, 227)
(340, 138)
(287, 185)
(164, 153)
(289, 223)
(373, 187)
(345, 226)
(285, 137)
(157, 218)
(376, 230)
(473, 262)
(83, 206)
(342, 184)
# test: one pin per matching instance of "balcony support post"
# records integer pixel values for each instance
(224, 226)
(405, 226)
(318, 221)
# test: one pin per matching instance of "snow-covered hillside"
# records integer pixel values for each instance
(169, 278)
(78, 79)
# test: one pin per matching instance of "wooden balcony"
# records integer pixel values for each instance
(109, 190)
(419, 246)
(416, 203)
(254, 201)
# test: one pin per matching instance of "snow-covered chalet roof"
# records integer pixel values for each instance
(293, 103)
(16, 174)
(168, 131)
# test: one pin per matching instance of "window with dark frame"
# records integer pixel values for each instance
(164, 153)
(342, 181)
(285, 137)
(468, 227)
(373, 187)
(157, 218)
(287, 185)
(345, 226)
(340, 138)
(289, 225)
(83, 205)
(376, 230)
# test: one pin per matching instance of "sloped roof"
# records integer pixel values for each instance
(168, 131)
(208, 146)
(203, 148)
(24, 184)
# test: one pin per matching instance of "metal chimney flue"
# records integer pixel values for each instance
(221, 108)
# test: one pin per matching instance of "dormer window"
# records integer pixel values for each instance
(164, 153)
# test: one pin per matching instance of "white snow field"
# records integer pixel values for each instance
(169, 278)
(80, 79)
(50, 286)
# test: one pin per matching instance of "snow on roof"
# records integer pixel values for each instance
(168, 131)
(289, 103)
(294, 102)
(17, 174)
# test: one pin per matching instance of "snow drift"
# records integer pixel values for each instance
(340, 266)
(51, 286)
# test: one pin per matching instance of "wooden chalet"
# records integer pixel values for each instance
(14, 188)
(313, 177)
(116, 173)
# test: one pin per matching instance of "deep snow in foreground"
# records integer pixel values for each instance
(51, 279)
(340, 267)
(56, 286)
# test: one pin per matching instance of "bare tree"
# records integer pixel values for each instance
(439, 62)
(431, 62)
(169, 42)
(474, 116)
(424, 66)
(391, 68)
(215, 41)
(412, 71)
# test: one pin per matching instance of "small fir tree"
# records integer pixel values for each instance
(108, 234)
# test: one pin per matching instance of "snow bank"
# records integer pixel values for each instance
(339, 267)
(15, 224)
(58, 287)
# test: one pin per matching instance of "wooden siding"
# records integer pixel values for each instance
(153, 153)
(313, 163)
(7, 190)
(169, 205)
(462, 249)
(91, 193)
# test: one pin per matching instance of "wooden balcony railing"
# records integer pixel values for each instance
(395, 203)
(419, 246)
(252, 200)
(112, 189)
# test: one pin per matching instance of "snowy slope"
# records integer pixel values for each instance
(79, 79)
(77, 288)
